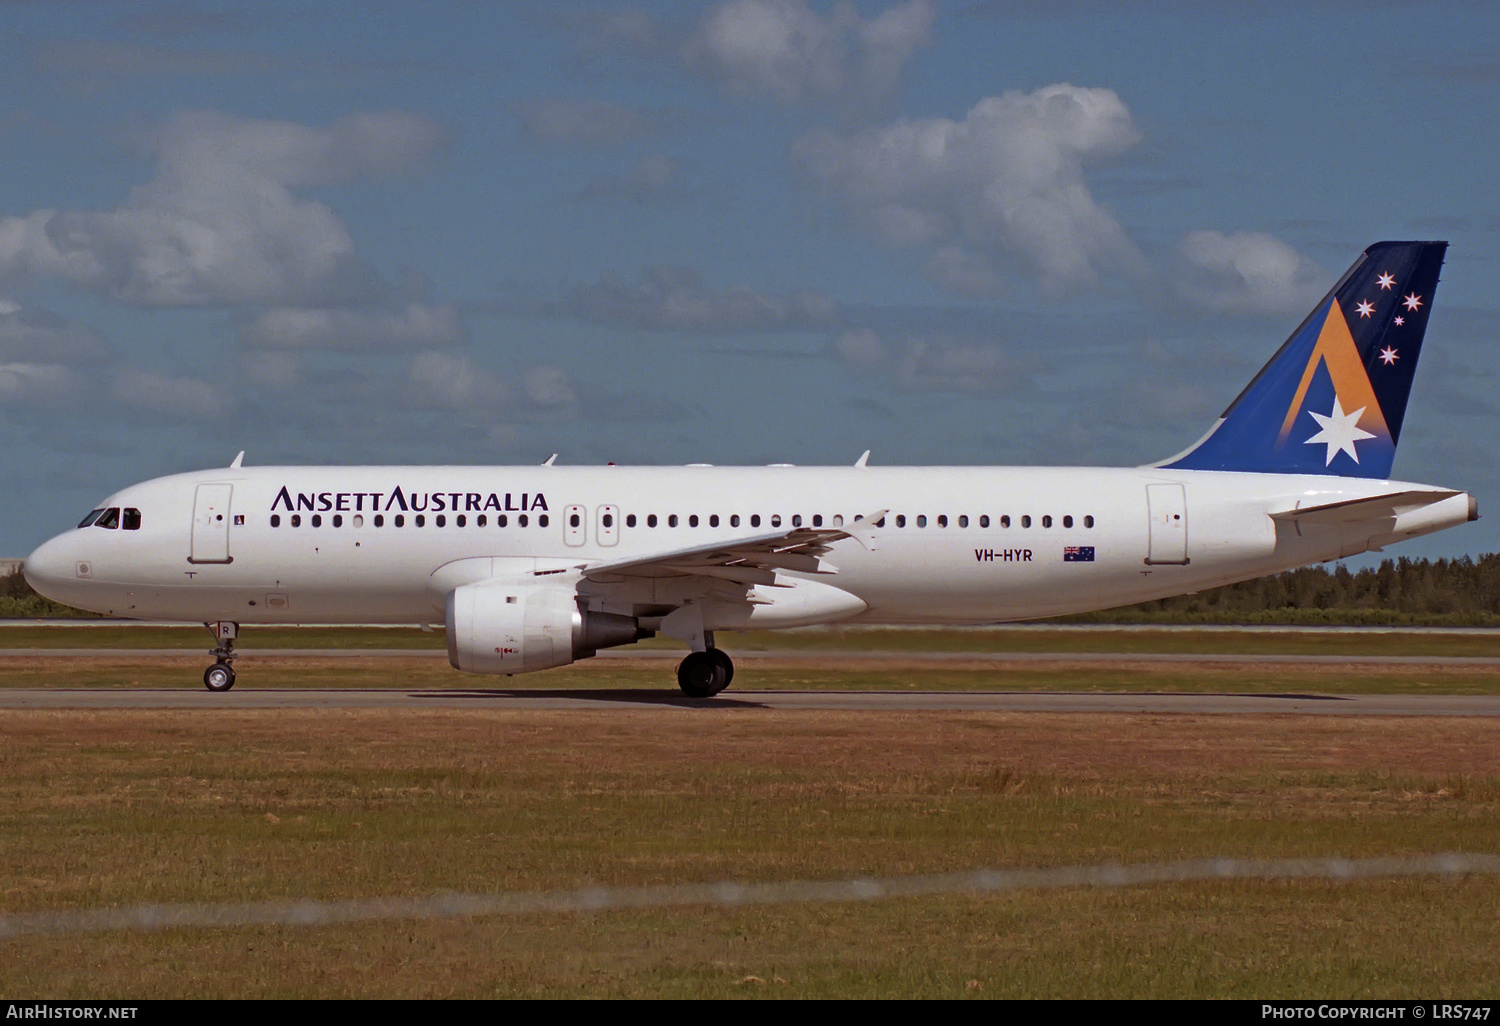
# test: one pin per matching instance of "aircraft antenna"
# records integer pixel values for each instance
(237, 461)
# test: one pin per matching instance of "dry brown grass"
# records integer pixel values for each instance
(113, 808)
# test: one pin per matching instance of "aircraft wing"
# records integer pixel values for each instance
(753, 559)
(1375, 507)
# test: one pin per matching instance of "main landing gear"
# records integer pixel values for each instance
(220, 676)
(704, 674)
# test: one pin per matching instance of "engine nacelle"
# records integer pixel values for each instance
(498, 628)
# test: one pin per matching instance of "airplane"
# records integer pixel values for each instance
(538, 566)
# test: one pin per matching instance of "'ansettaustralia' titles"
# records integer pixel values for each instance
(415, 502)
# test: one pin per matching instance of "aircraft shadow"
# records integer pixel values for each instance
(634, 697)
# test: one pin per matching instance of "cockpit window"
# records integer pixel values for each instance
(93, 515)
(130, 520)
(110, 518)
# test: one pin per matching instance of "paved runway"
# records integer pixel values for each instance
(744, 658)
(670, 699)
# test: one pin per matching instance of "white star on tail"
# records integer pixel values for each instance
(1365, 308)
(1385, 281)
(1412, 301)
(1388, 355)
(1339, 431)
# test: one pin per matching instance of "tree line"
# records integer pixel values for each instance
(1443, 592)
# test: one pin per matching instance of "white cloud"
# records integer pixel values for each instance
(925, 365)
(861, 349)
(1007, 178)
(548, 387)
(1247, 272)
(177, 397)
(784, 50)
(652, 179)
(31, 334)
(416, 324)
(274, 368)
(964, 271)
(676, 299)
(40, 384)
(452, 381)
(565, 121)
(219, 222)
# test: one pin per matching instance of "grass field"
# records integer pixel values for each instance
(112, 809)
(115, 808)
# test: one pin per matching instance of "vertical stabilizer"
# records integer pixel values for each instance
(1332, 399)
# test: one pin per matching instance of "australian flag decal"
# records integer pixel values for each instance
(1078, 554)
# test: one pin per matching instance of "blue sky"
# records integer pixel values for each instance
(741, 232)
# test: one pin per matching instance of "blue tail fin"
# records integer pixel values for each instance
(1332, 399)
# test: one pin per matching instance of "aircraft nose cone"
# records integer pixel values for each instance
(52, 567)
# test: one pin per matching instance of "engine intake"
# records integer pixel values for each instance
(496, 628)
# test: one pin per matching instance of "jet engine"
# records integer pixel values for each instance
(498, 628)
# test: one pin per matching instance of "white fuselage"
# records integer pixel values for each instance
(958, 545)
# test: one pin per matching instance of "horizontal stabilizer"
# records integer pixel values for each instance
(1375, 507)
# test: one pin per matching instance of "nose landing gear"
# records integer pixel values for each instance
(220, 676)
